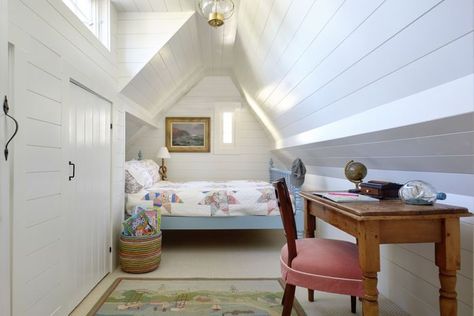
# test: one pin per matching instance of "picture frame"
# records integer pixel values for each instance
(188, 134)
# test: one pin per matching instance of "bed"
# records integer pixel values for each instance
(235, 204)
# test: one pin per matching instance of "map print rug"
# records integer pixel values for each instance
(193, 297)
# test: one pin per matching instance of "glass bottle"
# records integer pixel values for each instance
(420, 193)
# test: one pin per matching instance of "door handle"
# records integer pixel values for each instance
(73, 170)
(6, 109)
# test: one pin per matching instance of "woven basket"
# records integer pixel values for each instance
(140, 254)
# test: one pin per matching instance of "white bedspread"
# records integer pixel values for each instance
(204, 198)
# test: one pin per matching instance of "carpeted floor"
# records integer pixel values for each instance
(232, 254)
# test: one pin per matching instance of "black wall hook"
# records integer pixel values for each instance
(6, 109)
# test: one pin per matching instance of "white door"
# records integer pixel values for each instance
(4, 172)
(59, 227)
(89, 194)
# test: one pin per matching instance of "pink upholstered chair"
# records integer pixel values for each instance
(326, 265)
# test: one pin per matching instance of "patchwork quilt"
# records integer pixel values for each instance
(204, 198)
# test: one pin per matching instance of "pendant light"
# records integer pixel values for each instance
(216, 11)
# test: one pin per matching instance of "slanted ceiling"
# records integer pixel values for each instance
(165, 48)
(314, 70)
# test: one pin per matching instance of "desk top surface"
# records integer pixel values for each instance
(391, 208)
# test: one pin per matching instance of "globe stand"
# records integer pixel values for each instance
(357, 189)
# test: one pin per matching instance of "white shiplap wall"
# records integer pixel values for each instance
(162, 70)
(216, 44)
(4, 171)
(51, 45)
(253, 154)
(389, 83)
(140, 36)
(161, 58)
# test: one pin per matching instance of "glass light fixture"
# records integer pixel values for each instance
(216, 11)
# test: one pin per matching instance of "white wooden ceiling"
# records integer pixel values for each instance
(215, 44)
(314, 70)
(160, 57)
(306, 64)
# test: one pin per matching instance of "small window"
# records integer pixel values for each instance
(227, 127)
(226, 130)
(83, 10)
(95, 15)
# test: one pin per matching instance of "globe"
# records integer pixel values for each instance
(355, 172)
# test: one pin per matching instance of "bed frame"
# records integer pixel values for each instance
(241, 222)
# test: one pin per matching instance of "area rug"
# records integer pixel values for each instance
(193, 297)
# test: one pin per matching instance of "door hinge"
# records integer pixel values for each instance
(110, 125)
(110, 249)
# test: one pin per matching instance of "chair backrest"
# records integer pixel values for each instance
(287, 216)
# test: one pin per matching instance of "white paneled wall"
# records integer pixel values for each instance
(4, 171)
(216, 44)
(161, 72)
(51, 46)
(251, 160)
(313, 80)
(38, 170)
(140, 36)
(164, 49)
(388, 83)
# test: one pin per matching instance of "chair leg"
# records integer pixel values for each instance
(353, 304)
(310, 295)
(288, 296)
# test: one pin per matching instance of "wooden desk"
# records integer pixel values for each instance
(392, 222)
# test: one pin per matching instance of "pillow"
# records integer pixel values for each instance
(153, 169)
(138, 171)
(131, 184)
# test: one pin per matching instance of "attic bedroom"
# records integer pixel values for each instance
(236, 157)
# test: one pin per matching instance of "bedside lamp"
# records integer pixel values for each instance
(163, 154)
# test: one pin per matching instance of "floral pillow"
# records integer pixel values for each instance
(131, 184)
(153, 169)
(137, 170)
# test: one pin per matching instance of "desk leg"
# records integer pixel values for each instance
(369, 259)
(309, 222)
(448, 259)
(309, 228)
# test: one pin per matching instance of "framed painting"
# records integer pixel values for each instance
(188, 134)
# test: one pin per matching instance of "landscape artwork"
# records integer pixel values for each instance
(187, 134)
(193, 297)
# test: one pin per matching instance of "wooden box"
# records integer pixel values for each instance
(380, 189)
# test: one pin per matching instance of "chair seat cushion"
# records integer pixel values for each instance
(325, 265)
